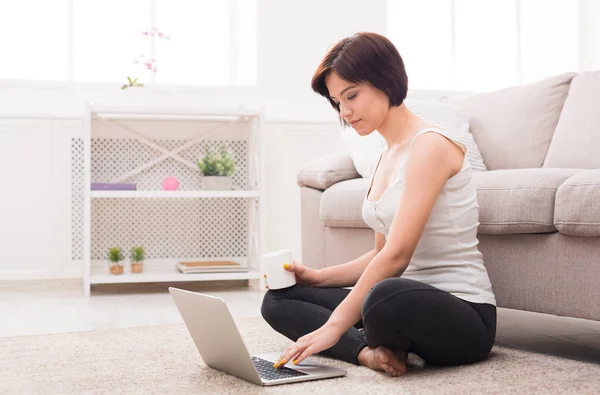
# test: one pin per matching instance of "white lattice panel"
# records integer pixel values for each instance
(167, 228)
(76, 199)
(114, 157)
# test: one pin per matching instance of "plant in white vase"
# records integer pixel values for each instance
(217, 170)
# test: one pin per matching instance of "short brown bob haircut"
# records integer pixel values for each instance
(364, 57)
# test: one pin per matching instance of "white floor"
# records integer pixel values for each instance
(43, 307)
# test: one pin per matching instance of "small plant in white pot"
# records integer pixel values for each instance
(136, 256)
(217, 170)
(115, 258)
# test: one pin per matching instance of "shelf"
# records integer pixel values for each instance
(228, 227)
(161, 270)
(169, 113)
(175, 194)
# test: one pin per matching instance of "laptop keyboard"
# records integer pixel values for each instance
(268, 372)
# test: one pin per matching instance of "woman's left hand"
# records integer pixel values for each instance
(323, 338)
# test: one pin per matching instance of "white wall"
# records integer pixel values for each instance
(293, 37)
(589, 35)
(28, 225)
(289, 146)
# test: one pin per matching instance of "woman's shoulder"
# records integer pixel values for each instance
(442, 146)
(427, 127)
(436, 129)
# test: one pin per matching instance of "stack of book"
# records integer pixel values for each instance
(210, 267)
(113, 186)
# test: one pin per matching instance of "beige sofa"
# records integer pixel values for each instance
(539, 201)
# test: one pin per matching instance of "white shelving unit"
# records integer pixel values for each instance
(145, 144)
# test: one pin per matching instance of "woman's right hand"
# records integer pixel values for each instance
(304, 275)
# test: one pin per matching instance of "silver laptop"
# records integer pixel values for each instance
(221, 346)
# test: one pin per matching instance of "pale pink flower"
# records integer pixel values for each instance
(150, 63)
(153, 31)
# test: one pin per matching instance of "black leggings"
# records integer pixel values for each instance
(400, 314)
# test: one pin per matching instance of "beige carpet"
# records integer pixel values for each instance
(163, 359)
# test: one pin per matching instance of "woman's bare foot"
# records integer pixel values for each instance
(382, 358)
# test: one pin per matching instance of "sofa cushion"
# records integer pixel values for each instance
(341, 204)
(322, 172)
(513, 127)
(518, 200)
(510, 201)
(577, 137)
(577, 209)
(365, 150)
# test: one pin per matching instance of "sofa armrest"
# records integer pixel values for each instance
(323, 172)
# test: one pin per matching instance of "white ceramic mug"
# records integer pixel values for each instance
(272, 265)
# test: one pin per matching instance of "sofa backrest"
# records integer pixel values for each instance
(576, 141)
(513, 127)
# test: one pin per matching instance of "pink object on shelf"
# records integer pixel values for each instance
(170, 184)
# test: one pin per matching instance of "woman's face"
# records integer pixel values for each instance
(362, 105)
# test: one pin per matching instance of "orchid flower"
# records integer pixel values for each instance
(147, 63)
(155, 32)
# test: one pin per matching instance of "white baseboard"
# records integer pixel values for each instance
(70, 271)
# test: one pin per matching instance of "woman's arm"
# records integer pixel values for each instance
(432, 160)
(347, 274)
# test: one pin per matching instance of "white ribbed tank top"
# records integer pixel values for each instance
(446, 256)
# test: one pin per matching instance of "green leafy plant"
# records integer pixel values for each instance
(132, 83)
(136, 254)
(115, 255)
(214, 165)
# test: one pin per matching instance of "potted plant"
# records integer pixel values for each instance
(115, 256)
(216, 170)
(137, 259)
